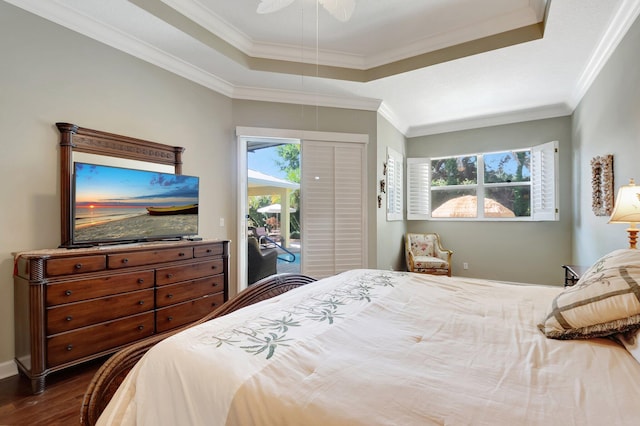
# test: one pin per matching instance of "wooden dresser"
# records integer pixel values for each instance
(76, 305)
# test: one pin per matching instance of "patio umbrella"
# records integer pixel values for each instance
(466, 206)
(274, 208)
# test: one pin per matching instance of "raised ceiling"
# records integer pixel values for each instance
(429, 66)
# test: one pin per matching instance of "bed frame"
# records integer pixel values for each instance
(114, 370)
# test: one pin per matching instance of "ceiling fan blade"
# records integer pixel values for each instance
(268, 6)
(340, 9)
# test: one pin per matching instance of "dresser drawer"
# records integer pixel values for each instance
(91, 288)
(208, 250)
(125, 260)
(183, 313)
(80, 314)
(174, 274)
(91, 340)
(75, 265)
(177, 293)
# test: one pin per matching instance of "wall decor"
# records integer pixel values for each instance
(602, 185)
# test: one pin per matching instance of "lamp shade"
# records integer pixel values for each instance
(627, 205)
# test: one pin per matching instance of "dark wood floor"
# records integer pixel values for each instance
(59, 404)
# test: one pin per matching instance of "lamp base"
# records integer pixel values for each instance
(633, 237)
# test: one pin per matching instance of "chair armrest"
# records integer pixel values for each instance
(443, 253)
(268, 254)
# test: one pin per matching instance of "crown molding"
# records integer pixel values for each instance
(495, 119)
(202, 16)
(195, 11)
(507, 23)
(305, 98)
(388, 114)
(624, 17)
(74, 20)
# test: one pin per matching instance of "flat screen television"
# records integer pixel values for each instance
(117, 205)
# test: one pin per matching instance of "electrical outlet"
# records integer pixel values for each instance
(221, 221)
(465, 265)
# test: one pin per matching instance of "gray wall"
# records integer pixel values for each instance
(531, 252)
(607, 121)
(390, 235)
(51, 74)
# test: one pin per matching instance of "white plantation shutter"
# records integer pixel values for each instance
(394, 185)
(332, 207)
(544, 183)
(418, 190)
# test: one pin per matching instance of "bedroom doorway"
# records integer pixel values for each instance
(273, 206)
(325, 218)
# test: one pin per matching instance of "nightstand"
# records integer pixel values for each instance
(572, 274)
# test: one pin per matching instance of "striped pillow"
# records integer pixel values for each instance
(606, 300)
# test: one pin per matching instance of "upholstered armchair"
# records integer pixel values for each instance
(424, 253)
(260, 263)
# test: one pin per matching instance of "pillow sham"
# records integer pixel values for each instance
(606, 300)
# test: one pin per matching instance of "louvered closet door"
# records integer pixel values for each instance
(333, 207)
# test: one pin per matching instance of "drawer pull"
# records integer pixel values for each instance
(214, 284)
(68, 293)
(181, 254)
(141, 327)
(69, 318)
(209, 250)
(169, 296)
(125, 260)
(69, 348)
(169, 275)
(140, 280)
(169, 319)
(78, 265)
(141, 302)
(213, 267)
(214, 304)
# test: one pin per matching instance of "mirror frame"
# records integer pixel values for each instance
(78, 139)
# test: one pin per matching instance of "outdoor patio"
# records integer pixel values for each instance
(289, 267)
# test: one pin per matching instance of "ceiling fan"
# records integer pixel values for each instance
(339, 9)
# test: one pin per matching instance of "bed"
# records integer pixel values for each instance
(371, 347)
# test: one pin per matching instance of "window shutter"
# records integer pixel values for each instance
(333, 207)
(544, 182)
(394, 185)
(418, 192)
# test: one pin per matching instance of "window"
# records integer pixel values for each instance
(394, 185)
(505, 185)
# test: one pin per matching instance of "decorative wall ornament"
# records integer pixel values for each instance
(602, 185)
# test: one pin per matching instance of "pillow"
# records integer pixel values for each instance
(606, 300)
(631, 341)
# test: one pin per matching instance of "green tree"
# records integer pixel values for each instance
(289, 163)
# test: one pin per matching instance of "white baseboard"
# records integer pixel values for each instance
(8, 369)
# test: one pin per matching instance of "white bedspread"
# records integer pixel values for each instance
(383, 348)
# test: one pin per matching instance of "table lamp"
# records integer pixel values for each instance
(627, 210)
